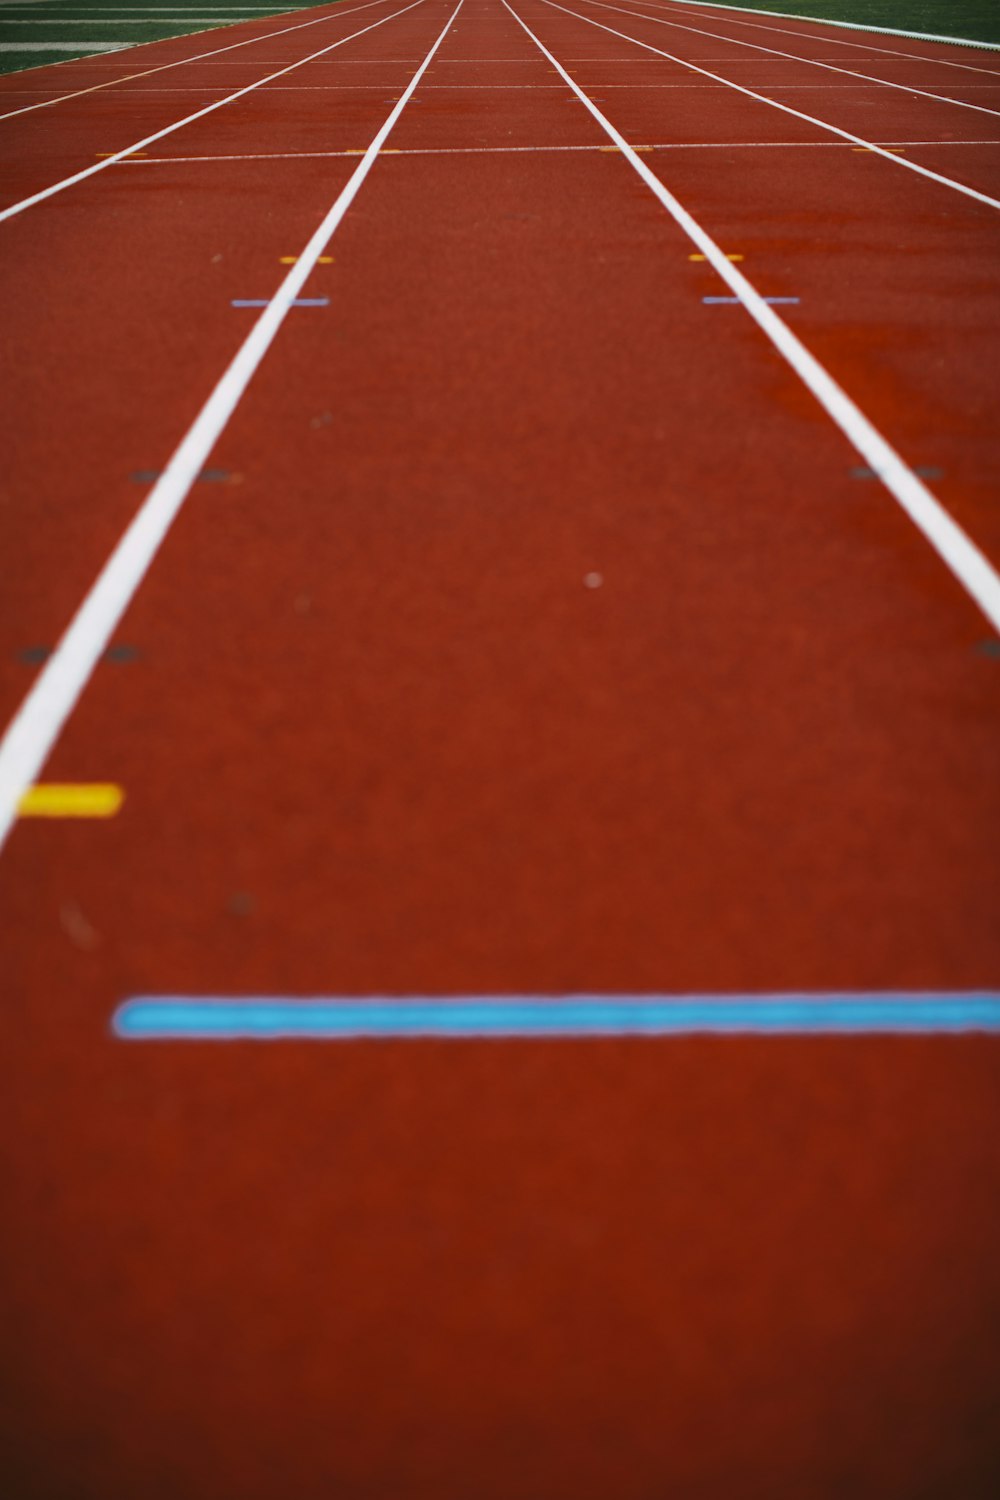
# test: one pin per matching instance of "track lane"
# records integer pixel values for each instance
(67, 485)
(965, 189)
(97, 116)
(14, 85)
(896, 376)
(909, 88)
(379, 707)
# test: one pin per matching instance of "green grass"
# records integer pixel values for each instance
(977, 20)
(75, 23)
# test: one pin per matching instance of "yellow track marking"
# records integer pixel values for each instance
(702, 257)
(290, 260)
(82, 799)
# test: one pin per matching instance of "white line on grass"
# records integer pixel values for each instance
(917, 36)
(847, 135)
(38, 722)
(77, 47)
(796, 57)
(158, 135)
(198, 57)
(834, 41)
(957, 551)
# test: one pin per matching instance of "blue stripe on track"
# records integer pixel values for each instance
(153, 1018)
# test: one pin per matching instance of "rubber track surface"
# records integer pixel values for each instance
(378, 735)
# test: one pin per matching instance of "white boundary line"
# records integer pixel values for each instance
(796, 57)
(38, 722)
(916, 36)
(976, 575)
(110, 161)
(834, 41)
(113, 82)
(847, 135)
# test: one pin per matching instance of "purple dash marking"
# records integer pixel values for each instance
(266, 302)
(735, 301)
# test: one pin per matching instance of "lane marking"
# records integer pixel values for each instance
(703, 257)
(61, 47)
(207, 476)
(487, 88)
(266, 1019)
(161, 67)
(207, 109)
(958, 552)
(514, 150)
(60, 18)
(925, 472)
(33, 655)
(847, 135)
(735, 301)
(265, 302)
(54, 799)
(291, 260)
(39, 720)
(792, 56)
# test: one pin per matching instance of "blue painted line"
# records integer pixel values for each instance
(735, 301)
(266, 302)
(208, 1018)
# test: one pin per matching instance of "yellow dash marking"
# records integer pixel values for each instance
(391, 151)
(103, 155)
(867, 150)
(291, 260)
(86, 799)
(702, 257)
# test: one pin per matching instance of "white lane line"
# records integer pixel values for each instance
(39, 721)
(917, 36)
(959, 553)
(147, 72)
(835, 41)
(847, 135)
(158, 135)
(795, 57)
(77, 47)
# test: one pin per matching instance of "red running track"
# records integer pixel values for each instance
(378, 736)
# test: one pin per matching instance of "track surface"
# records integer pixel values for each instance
(378, 736)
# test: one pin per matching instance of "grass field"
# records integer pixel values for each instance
(979, 20)
(33, 34)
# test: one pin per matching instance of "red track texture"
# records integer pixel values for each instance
(378, 737)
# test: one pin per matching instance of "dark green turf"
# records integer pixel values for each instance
(90, 21)
(976, 20)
